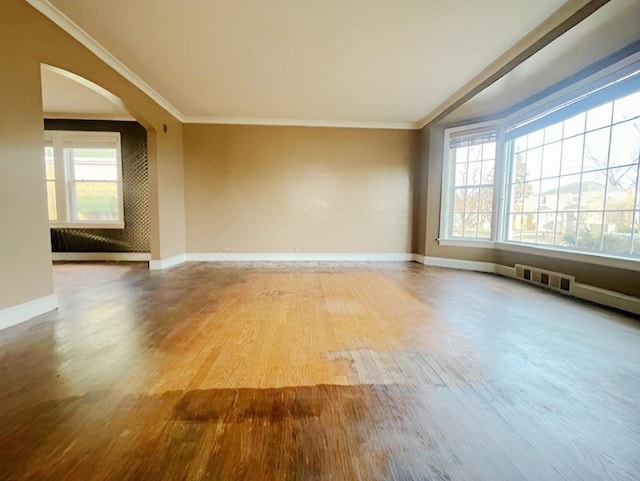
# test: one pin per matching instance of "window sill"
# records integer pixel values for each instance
(86, 225)
(546, 251)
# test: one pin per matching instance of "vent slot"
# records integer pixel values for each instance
(544, 278)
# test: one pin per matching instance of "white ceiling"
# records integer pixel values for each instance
(373, 62)
(64, 96)
(609, 29)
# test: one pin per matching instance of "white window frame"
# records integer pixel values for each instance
(499, 238)
(65, 191)
(448, 185)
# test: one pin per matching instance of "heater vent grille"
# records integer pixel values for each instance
(549, 279)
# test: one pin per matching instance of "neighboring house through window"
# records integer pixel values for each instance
(84, 179)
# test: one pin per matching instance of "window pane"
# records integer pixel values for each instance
(49, 163)
(471, 200)
(485, 199)
(574, 125)
(551, 160)
(515, 227)
(459, 196)
(617, 232)
(529, 227)
(471, 225)
(534, 164)
(592, 190)
(589, 230)
(484, 226)
(599, 116)
(475, 152)
(553, 133)
(520, 144)
(566, 226)
(572, 155)
(489, 151)
(569, 192)
(531, 196)
(461, 153)
(621, 190)
(535, 139)
(625, 143)
(517, 197)
(636, 234)
(488, 167)
(474, 172)
(596, 149)
(627, 107)
(93, 164)
(461, 174)
(96, 201)
(458, 222)
(549, 194)
(51, 200)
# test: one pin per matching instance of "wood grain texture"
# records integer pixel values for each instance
(307, 371)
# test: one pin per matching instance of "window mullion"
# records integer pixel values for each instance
(500, 177)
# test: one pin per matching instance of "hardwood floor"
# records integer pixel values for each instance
(317, 371)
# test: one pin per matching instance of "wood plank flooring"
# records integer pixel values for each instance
(317, 371)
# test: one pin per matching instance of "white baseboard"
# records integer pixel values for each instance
(295, 257)
(581, 291)
(417, 258)
(101, 256)
(13, 315)
(460, 264)
(159, 264)
(606, 297)
(505, 271)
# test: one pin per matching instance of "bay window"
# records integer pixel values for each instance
(566, 178)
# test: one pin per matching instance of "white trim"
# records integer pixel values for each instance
(66, 24)
(295, 257)
(461, 242)
(13, 315)
(115, 100)
(195, 119)
(417, 258)
(586, 292)
(606, 297)
(505, 271)
(460, 264)
(159, 264)
(101, 256)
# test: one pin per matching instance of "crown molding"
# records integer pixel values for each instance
(299, 122)
(87, 116)
(66, 24)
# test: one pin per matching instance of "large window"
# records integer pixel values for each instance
(84, 179)
(473, 159)
(566, 178)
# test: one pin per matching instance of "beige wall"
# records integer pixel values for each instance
(298, 189)
(28, 39)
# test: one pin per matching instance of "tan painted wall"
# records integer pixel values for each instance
(298, 189)
(28, 39)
